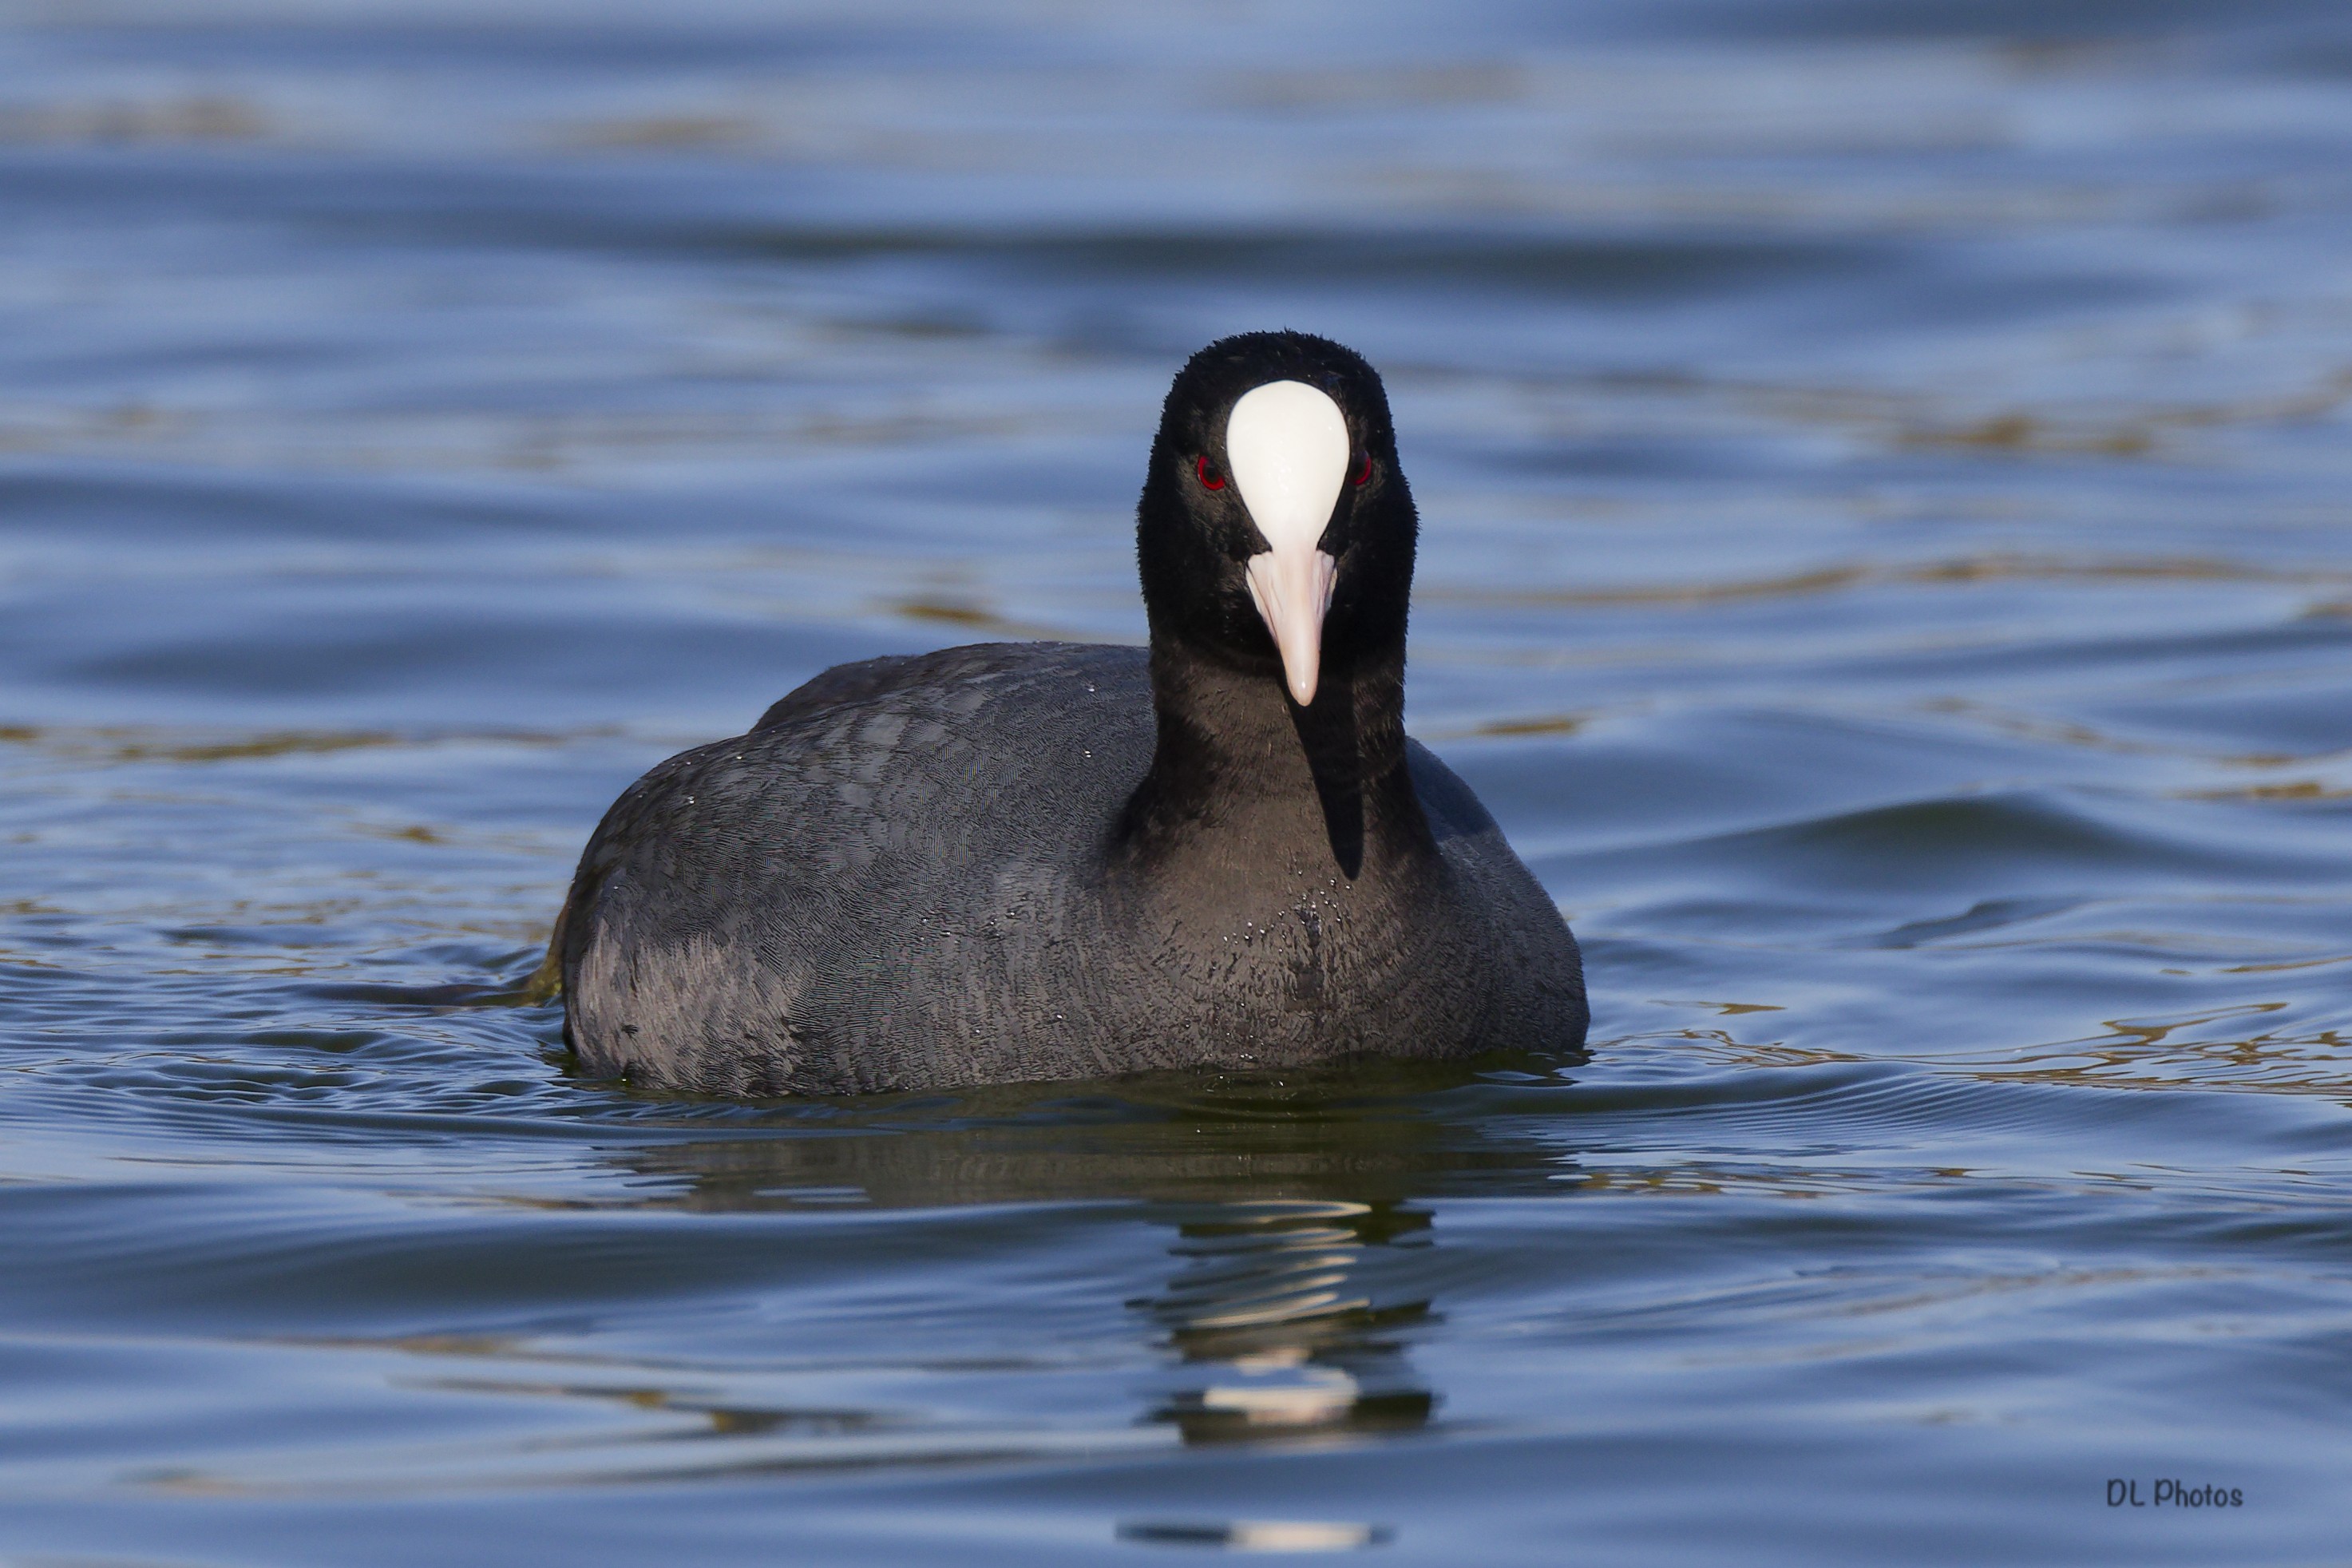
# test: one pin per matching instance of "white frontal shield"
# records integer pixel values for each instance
(1287, 446)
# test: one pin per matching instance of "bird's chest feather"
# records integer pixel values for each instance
(1271, 946)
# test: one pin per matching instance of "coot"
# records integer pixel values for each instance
(1051, 860)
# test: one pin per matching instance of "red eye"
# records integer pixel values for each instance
(1210, 478)
(1364, 474)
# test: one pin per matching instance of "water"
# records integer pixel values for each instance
(1888, 564)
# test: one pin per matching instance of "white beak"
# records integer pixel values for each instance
(1286, 446)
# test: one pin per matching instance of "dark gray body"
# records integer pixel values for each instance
(911, 875)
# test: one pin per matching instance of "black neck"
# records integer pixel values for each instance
(1242, 770)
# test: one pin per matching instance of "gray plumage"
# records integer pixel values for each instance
(905, 877)
(1037, 861)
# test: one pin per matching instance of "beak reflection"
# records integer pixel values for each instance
(1280, 1330)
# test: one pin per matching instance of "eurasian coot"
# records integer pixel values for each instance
(1053, 860)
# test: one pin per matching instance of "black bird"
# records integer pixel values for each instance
(1053, 860)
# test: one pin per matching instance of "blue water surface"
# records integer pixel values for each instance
(1887, 562)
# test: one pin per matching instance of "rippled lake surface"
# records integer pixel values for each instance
(1887, 562)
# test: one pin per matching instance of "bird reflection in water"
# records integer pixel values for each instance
(1280, 1328)
(1294, 1204)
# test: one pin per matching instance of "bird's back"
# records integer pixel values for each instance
(854, 894)
(902, 877)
